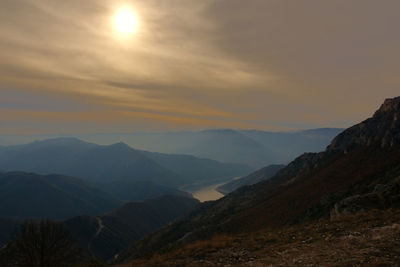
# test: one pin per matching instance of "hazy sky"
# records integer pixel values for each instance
(266, 64)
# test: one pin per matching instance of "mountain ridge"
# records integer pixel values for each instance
(383, 128)
(308, 188)
(114, 163)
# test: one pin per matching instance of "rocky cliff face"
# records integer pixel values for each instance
(383, 129)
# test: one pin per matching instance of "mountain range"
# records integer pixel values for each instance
(250, 147)
(358, 172)
(117, 167)
(355, 181)
(253, 148)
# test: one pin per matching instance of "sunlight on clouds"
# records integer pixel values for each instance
(195, 59)
(126, 21)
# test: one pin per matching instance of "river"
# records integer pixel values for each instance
(208, 193)
(206, 190)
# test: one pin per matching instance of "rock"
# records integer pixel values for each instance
(355, 204)
(382, 129)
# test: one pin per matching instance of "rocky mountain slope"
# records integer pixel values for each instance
(363, 160)
(364, 239)
(383, 129)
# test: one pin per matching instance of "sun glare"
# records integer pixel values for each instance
(125, 21)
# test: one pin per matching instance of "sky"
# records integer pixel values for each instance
(254, 64)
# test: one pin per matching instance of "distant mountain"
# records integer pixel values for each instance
(227, 146)
(224, 145)
(250, 147)
(28, 195)
(286, 146)
(138, 190)
(253, 178)
(117, 162)
(69, 156)
(358, 172)
(198, 169)
(107, 235)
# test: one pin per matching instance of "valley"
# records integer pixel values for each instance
(187, 133)
(143, 208)
(358, 174)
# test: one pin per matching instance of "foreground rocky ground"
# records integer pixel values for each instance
(365, 239)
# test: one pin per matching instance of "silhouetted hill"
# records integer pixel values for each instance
(107, 235)
(253, 178)
(359, 171)
(118, 162)
(28, 195)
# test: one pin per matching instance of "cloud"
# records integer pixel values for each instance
(320, 49)
(270, 64)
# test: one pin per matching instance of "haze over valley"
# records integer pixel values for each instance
(199, 133)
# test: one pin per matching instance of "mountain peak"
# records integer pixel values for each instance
(388, 106)
(382, 129)
(120, 145)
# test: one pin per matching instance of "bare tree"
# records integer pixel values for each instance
(42, 244)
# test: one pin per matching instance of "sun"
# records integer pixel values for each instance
(126, 21)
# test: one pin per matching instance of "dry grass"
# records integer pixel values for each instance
(367, 239)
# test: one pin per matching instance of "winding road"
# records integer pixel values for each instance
(99, 229)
